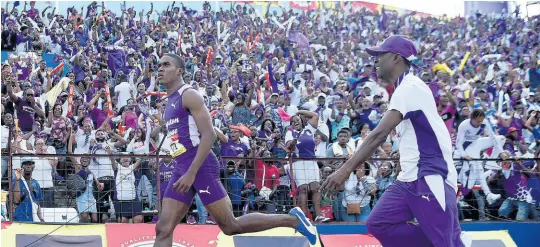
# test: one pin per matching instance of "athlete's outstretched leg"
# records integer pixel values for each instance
(172, 211)
(213, 195)
(221, 211)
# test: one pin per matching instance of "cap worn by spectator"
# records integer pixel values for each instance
(241, 128)
(26, 160)
(510, 130)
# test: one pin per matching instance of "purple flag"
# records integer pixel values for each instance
(116, 61)
(383, 19)
(300, 39)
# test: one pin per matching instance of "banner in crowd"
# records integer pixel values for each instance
(480, 239)
(22, 235)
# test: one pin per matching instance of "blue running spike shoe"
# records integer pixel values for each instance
(304, 226)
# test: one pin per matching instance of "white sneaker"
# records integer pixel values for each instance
(491, 198)
(321, 219)
(466, 238)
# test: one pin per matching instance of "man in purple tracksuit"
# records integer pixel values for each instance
(191, 137)
(426, 187)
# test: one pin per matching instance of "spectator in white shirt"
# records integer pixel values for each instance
(45, 172)
(126, 202)
(102, 169)
(358, 191)
(124, 90)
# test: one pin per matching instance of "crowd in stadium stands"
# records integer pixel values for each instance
(262, 76)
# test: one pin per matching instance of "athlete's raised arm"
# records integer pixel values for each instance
(194, 103)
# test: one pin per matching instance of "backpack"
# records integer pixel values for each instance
(76, 185)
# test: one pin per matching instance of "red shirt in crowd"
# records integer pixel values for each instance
(260, 167)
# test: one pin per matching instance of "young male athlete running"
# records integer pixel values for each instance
(426, 187)
(191, 138)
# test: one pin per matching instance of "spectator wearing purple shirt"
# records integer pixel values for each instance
(232, 146)
(515, 174)
(99, 116)
(23, 41)
(26, 108)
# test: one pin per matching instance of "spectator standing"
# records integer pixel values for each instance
(86, 203)
(126, 200)
(300, 139)
(235, 185)
(514, 174)
(45, 172)
(384, 179)
(60, 129)
(26, 192)
(339, 149)
(357, 195)
(102, 169)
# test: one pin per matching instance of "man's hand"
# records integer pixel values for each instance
(18, 173)
(18, 138)
(334, 182)
(468, 157)
(184, 184)
(108, 149)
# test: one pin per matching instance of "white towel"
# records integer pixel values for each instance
(338, 150)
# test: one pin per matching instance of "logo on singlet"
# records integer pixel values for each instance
(173, 105)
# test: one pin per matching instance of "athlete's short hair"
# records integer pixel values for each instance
(178, 60)
(476, 113)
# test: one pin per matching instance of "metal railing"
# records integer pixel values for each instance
(249, 195)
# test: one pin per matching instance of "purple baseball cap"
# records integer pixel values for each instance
(398, 44)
